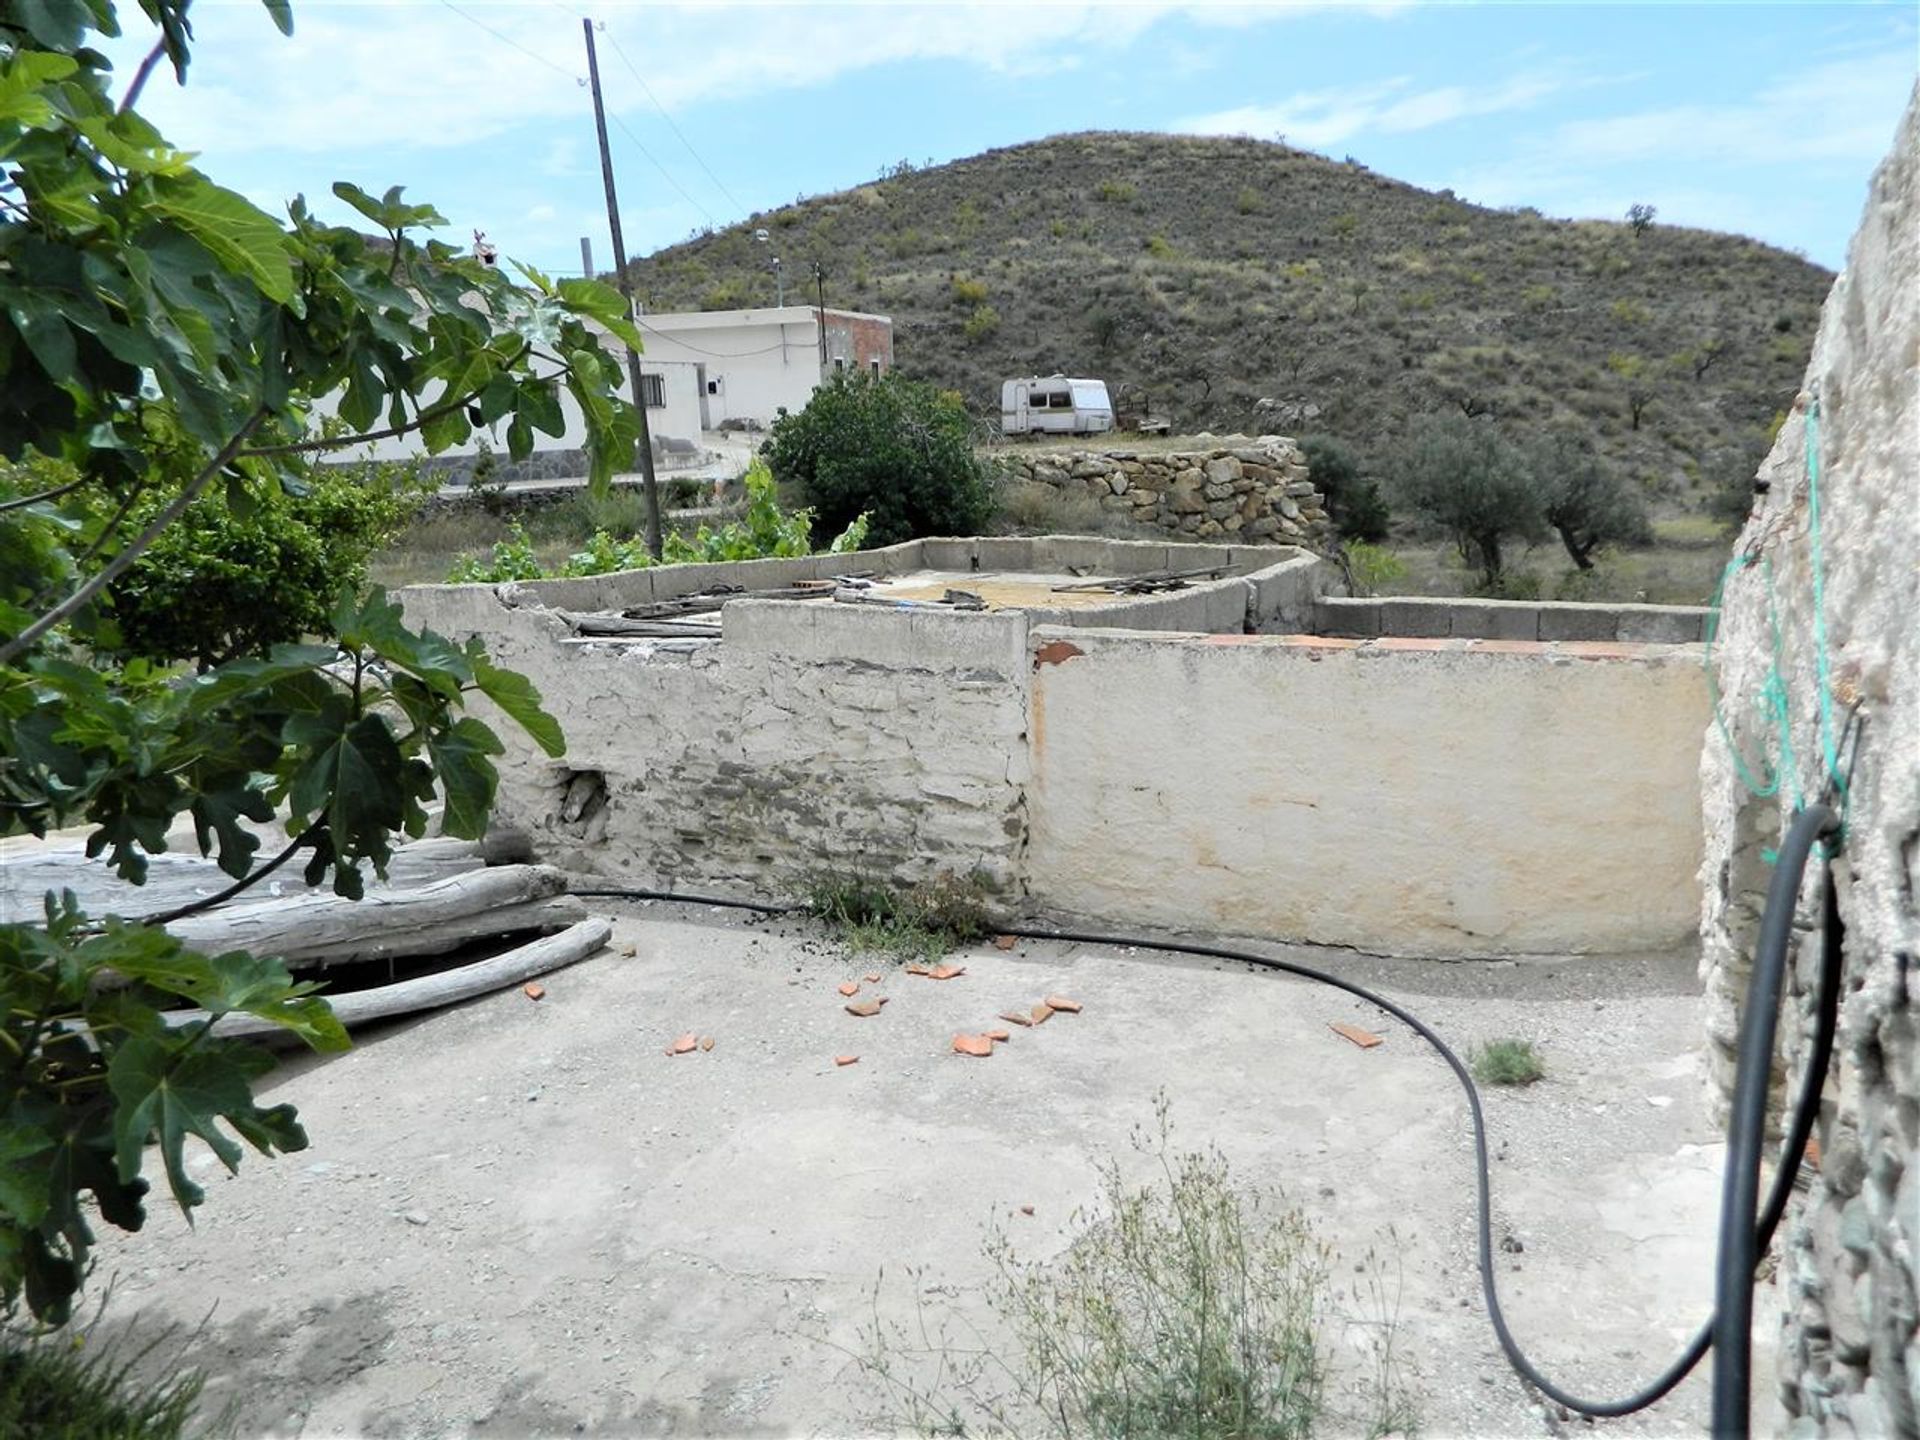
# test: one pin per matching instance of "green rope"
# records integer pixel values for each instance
(1774, 702)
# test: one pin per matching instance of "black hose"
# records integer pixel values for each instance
(1799, 1129)
(1747, 1120)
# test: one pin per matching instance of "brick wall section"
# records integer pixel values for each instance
(859, 340)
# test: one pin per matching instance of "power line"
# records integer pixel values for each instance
(665, 174)
(506, 39)
(648, 90)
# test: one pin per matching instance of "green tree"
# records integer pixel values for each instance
(1471, 484)
(1354, 502)
(221, 582)
(893, 449)
(164, 340)
(1588, 504)
(1640, 217)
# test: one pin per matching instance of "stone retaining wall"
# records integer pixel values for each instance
(1849, 1360)
(1237, 490)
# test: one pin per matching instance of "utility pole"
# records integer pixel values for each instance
(820, 294)
(626, 291)
(586, 257)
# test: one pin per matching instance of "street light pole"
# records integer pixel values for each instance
(621, 278)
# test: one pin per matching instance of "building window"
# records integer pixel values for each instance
(839, 365)
(876, 366)
(653, 389)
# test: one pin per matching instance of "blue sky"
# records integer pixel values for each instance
(1761, 119)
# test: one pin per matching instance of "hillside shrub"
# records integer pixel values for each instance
(895, 449)
(1117, 192)
(222, 582)
(981, 324)
(1470, 483)
(968, 291)
(1354, 502)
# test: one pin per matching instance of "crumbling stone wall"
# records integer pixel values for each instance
(1850, 1360)
(1243, 490)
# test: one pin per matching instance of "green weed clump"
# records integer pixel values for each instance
(1508, 1062)
(1186, 1306)
(920, 923)
(57, 1387)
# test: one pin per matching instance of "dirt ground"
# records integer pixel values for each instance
(521, 1217)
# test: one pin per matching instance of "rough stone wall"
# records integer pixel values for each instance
(1245, 490)
(1849, 1361)
(791, 749)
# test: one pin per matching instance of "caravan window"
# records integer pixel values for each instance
(1090, 397)
(1037, 400)
(1061, 400)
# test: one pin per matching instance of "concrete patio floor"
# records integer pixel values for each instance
(523, 1217)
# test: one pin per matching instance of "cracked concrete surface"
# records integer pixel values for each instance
(523, 1218)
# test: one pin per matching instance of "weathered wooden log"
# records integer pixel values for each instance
(316, 929)
(430, 992)
(176, 878)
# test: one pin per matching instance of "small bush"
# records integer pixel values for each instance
(982, 323)
(1159, 247)
(1354, 502)
(1508, 1062)
(967, 291)
(1183, 1307)
(1248, 201)
(222, 582)
(1369, 567)
(888, 447)
(1117, 192)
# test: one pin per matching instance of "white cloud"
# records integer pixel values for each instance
(1834, 111)
(1318, 119)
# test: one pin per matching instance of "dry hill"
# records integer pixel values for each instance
(1239, 284)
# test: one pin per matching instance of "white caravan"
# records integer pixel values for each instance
(1055, 404)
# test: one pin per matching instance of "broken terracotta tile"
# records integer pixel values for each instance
(1057, 1002)
(1016, 1017)
(1813, 1151)
(685, 1043)
(918, 970)
(976, 1045)
(533, 990)
(1004, 942)
(867, 1008)
(998, 1035)
(706, 1042)
(845, 1060)
(629, 950)
(1365, 1039)
(947, 972)
(850, 988)
(872, 979)
(1041, 1013)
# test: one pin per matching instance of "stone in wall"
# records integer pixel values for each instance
(1236, 489)
(1849, 1362)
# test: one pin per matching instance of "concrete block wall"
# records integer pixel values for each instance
(1849, 1358)
(1418, 616)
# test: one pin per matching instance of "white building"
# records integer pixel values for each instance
(750, 364)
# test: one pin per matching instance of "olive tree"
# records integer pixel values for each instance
(1587, 504)
(162, 341)
(1466, 480)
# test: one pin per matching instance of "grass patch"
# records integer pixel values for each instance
(61, 1386)
(1663, 573)
(928, 920)
(1183, 1306)
(1508, 1062)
